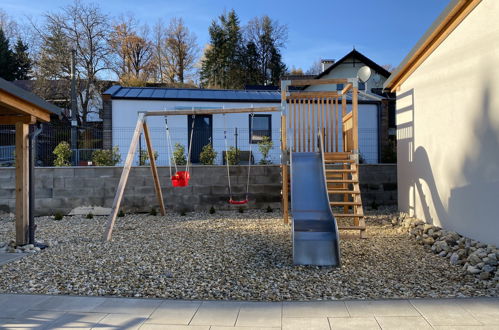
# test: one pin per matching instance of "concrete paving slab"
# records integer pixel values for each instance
(381, 308)
(444, 312)
(143, 307)
(243, 328)
(315, 309)
(217, 313)
(120, 321)
(403, 323)
(69, 304)
(174, 312)
(309, 323)
(77, 320)
(12, 305)
(345, 323)
(174, 327)
(31, 320)
(260, 314)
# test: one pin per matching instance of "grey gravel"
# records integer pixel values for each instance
(228, 255)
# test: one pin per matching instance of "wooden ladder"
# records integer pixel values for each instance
(342, 178)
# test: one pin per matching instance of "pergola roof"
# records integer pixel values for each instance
(18, 105)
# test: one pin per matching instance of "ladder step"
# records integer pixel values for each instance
(342, 181)
(345, 203)
(352, 192)
(348, 215)
(352, 228)
(333, 161)
(340, 171)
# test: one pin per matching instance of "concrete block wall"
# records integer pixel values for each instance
(61, 189)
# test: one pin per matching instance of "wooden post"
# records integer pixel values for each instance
(124, 177)
(285, 173)
(343, 114)
(154, 170)
(336, 129)
(22, 183)
(355, 119)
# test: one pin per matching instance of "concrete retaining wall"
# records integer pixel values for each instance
(63, 189)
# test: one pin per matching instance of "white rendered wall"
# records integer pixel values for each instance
(448, 131)
(125, 114)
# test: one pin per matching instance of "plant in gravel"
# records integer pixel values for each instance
(269, 209)
(241, 209)
(106, 157)
(90, 216)
(265, 146)
(208, 155)
(62, 154)
(179, 155)
(212, 210)
(58, 216)
(153, 212)
(121, 214)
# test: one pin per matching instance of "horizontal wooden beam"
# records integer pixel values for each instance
(18, 105)
(208, 111)
(311, 95)
(12, 120)
(311, 82)
(347, 117)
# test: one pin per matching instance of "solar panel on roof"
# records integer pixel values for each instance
(146, 93)
(158, 93)
(133, 92)
(122, 92)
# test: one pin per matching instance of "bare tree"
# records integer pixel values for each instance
(132, 50)
(82, 27)
(315, 68)
(9, 26)
(176, 51)
(388, 67)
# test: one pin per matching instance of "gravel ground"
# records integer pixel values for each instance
(226, 255)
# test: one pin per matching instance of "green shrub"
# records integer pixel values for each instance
(179, 155)
(90, 216)
(233, 156)
(106, 157)
(121, 214)
(208, 155)
(63, 154)
(58, 216)
(212, 210)
(153, 212)
(269, 209)
(144, 157)
(265, 146)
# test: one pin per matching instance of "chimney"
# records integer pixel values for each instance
(326, 63)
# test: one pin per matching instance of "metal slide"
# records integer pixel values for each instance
(315, 232)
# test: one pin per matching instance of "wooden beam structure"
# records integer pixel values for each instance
(13, 120)
(16, 105)
(124, 178)
(312, 82)
(312, 95)
(208, 111)
(154, 170)
(22, 183)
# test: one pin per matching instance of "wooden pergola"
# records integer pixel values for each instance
(22, 109)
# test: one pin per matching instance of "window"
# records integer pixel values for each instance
(339, 87)
(362, 86)
(260, 126)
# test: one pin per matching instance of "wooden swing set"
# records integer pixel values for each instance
(305, 114)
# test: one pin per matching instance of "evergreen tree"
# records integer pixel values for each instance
(251, 62)
(7, 67)
(22, 61)
(223, 63)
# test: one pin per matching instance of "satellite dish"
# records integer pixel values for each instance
(364, 73)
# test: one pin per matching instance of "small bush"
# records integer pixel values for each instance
(233, 156)
(179, 155)
(62, 154)
(212, 210)
(241, 209)
(121, 214)
(265, 146)
(144, 157)
(208, 155)
(269, 209)
(106, 157)
(58, 216)
(153, 212)
(90, 216)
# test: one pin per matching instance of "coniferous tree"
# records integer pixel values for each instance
(22, 61)
(7, 67)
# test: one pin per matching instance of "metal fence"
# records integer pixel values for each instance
(90, 139)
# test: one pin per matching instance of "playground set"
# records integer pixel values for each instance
(321, 172)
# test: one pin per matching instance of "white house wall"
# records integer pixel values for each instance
(448, 131)
(125, 114)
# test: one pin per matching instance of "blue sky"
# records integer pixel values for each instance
(383, 30)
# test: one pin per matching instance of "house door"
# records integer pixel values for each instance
(201, 136)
